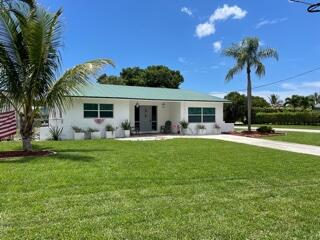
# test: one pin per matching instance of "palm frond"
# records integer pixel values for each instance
(268, 53)
(72, 81)
(233, 51)
(260, 69)
(233, 71)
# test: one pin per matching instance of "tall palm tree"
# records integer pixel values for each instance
(275, 100)
(30, 41)
(248, 55)
(293, 101)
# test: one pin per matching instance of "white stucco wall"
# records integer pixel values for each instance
(209, 126)
(124, 110)
(74, 116)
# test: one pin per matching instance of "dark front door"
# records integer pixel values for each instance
(145, 118)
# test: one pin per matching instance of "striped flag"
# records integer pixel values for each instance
(8, 124)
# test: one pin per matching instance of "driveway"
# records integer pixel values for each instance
(283, 146)
(284, 129)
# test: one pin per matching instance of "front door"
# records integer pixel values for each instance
(145, 118)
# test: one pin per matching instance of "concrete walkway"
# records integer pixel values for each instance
(284, 129)
(284, 146)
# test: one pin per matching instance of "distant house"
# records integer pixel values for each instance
(317, 107)
(146, 108)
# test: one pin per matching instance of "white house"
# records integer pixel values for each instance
(147, 109)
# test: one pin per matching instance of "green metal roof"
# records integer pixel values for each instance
(143, 93)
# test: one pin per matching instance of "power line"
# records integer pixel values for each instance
(279, 81)
(303, 2)
(313, 7)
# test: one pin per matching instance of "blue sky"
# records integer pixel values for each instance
(187, 35)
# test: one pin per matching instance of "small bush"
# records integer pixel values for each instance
(200, 126)
(110, 128)
(78, 130)
(55, 133)
(126, 125)
(265, 129)
(184, 124)
(91, 130)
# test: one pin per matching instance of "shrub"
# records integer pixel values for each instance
(78, 130)
(91, 130)
(200, 126)
(184, 124)
(110, 128)
(288, 118)
(265, 129)
(55, 133)
(126, 125)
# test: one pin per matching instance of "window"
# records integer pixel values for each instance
(92, 110)
(154, 118)
(194, 115)
(201, 115)
(106, 110)
(209, 115)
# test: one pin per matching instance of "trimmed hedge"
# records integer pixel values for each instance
(288, 118)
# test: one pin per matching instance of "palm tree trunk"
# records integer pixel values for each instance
(249, 97)
(26, 132)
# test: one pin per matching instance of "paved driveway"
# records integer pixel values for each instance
(284, 146)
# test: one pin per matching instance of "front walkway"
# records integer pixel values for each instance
(284, 129)
(284, 146)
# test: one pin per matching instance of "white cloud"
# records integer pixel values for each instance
(285, 90)
(311, 85)
(187, 11)
(208, 28)
(226, 12)
(182, 60)
(263, 23)
(205, 29)
(217, 46)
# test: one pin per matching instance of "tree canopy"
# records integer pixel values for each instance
(30, 59)
(249, 55)
(152, 76)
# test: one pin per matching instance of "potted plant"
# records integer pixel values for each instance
(184, 126)
(78, 133)
(110, 131)
(126, 126)
(217, 128)
(94, 133)
(201, 129)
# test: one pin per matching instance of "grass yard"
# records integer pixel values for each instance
(295, 137)
(286, 126)
(175, 189)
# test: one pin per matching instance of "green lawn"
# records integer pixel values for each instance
(175, 189)
(304, 138)
(287, 126)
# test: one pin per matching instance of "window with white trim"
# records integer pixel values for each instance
(201, 115)
(93, 110)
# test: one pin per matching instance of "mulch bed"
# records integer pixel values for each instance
(12, 154)
(255, 134)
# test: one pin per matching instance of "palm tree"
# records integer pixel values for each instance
(293, 101)
(248, 54)
(275, 100)
(306, 102)
(30, 42)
